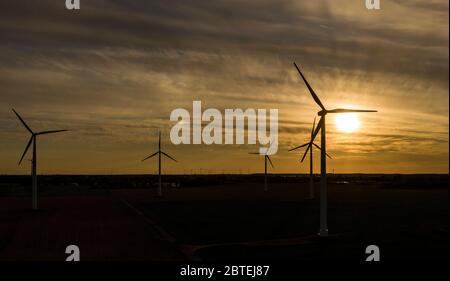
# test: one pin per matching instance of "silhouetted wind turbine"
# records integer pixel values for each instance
(311, 176)
(34, 159)
(323, 161)
(159, 153)
(266, 158)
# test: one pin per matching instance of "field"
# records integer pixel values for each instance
(224, 218)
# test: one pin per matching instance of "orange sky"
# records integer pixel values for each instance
(113, 71)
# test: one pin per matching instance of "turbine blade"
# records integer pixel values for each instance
(26, 149)
(167, 155)
(313, 127)
(159, 141)
(343, 110)
(313, 94)
(51, 132)
(318, 147)
(300, 146)
(270, 161)
(306, 152)
(23, 122)
(319, 126)
(150, 156)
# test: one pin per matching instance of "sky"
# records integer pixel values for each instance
(113, 71)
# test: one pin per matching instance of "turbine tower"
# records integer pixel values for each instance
(34, 159)
(159, 153)
(310, 150)
(323, 161)
(266, 158)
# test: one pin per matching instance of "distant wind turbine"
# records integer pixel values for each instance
(310, 149)
(266, 158)
(34, 158)
(323, 161)
(159, 153)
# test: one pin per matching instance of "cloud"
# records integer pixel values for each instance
(114, 70)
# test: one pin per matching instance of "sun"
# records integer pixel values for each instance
(347, 122)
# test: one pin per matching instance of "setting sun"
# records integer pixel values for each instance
(347, 122)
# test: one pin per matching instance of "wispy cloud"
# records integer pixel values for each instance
(113, 71)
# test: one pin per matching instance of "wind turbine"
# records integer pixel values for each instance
(266, 158)
(311, 176)
(34, 159)
(159, 153)
(323, 161)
